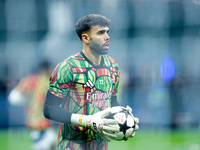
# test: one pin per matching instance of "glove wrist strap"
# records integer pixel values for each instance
(79, 120)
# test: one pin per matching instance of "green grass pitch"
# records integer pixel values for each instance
(18, 139)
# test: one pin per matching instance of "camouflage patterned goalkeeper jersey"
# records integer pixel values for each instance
(86, 89)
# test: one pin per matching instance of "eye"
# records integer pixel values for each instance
(101, 32)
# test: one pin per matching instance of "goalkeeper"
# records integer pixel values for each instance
(83, 88)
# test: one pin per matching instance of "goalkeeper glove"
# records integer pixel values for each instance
(136, 121)
(97, 123)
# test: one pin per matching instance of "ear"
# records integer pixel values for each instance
(85, 38)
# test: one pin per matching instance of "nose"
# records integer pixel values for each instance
(107, 37)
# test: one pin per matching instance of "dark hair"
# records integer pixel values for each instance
(87, 22)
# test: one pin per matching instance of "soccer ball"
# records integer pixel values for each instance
(126, 122)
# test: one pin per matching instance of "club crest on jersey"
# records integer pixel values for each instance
(112, 80)
(89, 84)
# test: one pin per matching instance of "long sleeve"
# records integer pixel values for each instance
(114, 101)
(53, 111)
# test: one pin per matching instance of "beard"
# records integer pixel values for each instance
(95, 47)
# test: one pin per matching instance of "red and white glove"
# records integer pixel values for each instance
(97, 123)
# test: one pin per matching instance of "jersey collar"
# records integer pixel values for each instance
(101, 64)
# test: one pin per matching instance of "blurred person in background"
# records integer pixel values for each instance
(31, 91)
(3, 96)
(83, 88)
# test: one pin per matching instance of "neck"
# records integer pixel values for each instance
(92, 56)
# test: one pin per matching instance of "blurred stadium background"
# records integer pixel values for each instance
(155, 42)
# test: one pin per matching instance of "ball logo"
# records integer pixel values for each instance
(120, 117)
(94, 125)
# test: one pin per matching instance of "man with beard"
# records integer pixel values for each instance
(83, 88)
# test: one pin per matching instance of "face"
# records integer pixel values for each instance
(99, 40)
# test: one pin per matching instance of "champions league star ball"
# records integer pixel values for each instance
(125, 119)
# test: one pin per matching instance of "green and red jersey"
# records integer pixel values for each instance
(86, 89)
